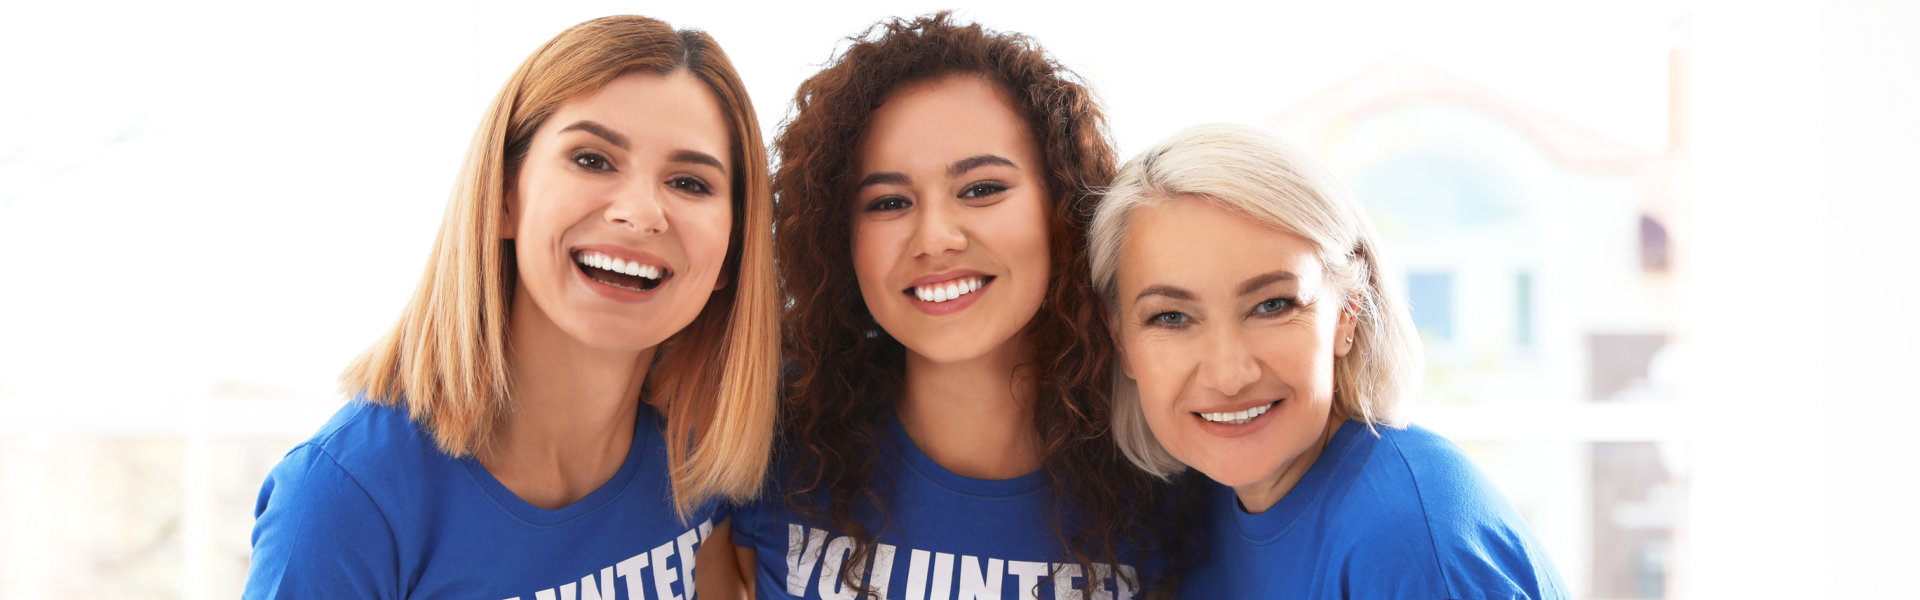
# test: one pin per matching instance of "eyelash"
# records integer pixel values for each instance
(582, 158)
(692, 185)
(1285, 303)
(1162, 320)
(1174, 319)
(893, 203)
(982, 190)
(594, 161)
(888, 204)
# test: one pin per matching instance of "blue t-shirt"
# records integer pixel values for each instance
(371, 508)
(1401, 515)
(946, 537)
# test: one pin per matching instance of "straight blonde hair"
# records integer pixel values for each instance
(1260, 177)
(445, 362)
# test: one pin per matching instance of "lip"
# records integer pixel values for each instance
(1254, 426)
(955, 305)
(618, 294)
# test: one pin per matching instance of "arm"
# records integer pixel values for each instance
(719, 577)
(745, 557)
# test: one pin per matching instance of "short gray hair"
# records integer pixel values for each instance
(1259, 176)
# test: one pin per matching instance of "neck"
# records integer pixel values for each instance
(1261, 495)
(571, 422)
(975, 417)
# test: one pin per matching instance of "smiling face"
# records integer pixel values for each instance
(1231, 330)
(950, 219)
(621, 212)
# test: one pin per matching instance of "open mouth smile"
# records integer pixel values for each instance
(947, 291)
(1241, 417)
(632, 276)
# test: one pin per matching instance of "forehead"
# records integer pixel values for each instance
(674, 111)
(1198, 244)
(929, 124)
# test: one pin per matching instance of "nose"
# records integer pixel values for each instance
(937, 231)
(1228, 365)
(637, 207)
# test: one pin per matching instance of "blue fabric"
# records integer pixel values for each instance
(371, 508)
(945, 537)
(1401, 515)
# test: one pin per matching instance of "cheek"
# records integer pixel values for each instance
(1157, 367)
(709, 231)
(1027, 235)
(1301, 359)
(873, 254)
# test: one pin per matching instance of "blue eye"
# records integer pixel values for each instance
(691, 185)
(592, 161)
(1273, 305)
(1169, 319)
(888, 204)
(982, 190)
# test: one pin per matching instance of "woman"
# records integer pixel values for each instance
(587, 364)
(1262, 344)
(946, 423)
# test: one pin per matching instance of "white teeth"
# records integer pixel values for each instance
(1238, 417)
(949, 290)
(608, 263)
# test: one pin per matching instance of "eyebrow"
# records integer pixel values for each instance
(698, 158)
(611, 136)
(1249, 286)
(974, 162)
(1164, 290)
(955, 170)
(1263, 280)
(883, 178)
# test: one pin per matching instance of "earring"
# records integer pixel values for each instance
(1349, 339)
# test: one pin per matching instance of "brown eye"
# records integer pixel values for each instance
(692, 185)
(888, 204)
(982, 190)
(592, 161)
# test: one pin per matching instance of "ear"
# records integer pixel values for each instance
(720, 282)
(510, 212)
(1343, 332)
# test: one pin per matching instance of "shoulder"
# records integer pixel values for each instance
(1468, 531)
(317, 533)
(326, 515)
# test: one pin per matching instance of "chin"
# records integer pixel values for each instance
(611, 337)
(1235, 476)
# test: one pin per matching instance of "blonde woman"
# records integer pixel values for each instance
(587, 366)
(1263, 344)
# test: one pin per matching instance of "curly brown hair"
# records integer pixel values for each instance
(844, 372)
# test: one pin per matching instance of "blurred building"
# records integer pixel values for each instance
(1536, 255)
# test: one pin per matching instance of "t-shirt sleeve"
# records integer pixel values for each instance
(747, 523)
(318, 534)
(1481, 544)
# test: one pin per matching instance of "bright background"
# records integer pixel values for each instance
(206, 209)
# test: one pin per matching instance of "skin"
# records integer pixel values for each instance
(648, 176)
(1220, 313)
(953, 183)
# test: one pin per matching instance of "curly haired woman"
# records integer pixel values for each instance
(946, 416)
